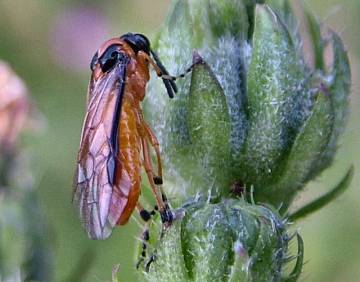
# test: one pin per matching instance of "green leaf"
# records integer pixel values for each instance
(277, 99)
(306, 150)
(209, 241)
(210, 129)
(339, 90)
(325, 199)
(228, 17)
(296, 272)
(285, 14)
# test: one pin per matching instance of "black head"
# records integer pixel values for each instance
(137, 41)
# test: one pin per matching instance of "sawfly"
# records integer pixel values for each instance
(116, 140)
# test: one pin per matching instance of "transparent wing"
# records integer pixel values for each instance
(97, 160)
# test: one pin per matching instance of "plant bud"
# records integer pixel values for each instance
(257, 115)
(227, 241)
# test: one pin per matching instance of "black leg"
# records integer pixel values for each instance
(151, 260)
(166, 219)
(158, 180)
(145, 237)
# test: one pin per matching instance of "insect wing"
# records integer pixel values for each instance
(97, 158)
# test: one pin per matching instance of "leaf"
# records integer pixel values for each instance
(325, 199)
(208, 238)
(277, 97)
(209, 128)
(285, 14)
(227, 17)
(306, 150)
(295, 273)
(339, 91)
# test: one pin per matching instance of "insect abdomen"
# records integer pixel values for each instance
(129, 172)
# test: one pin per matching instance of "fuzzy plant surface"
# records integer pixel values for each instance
(258, 115)
(251, 125)
(230, 240)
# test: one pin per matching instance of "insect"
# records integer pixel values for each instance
(115, 140)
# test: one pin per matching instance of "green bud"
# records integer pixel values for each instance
(257, 115)
(227, 241)
(277, 98)
(306, 150)
(209, 130)
(222, 43)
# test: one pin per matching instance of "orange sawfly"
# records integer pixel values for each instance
(115, 139)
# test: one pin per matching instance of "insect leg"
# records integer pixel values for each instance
(155, 144)
(160, 69)
(173, 78)
(145, 237)
(146, 216)
(165, 213)
(164, 75)
(157, 179)
(149, 172)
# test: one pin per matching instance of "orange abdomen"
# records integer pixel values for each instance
(129, 172)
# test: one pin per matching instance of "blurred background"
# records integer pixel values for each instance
(49, 44)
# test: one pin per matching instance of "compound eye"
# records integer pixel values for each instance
(109, 58)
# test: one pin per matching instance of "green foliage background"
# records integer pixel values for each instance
(332, 241)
